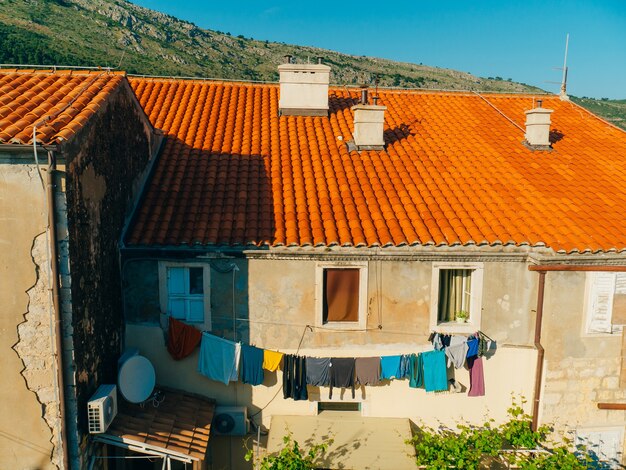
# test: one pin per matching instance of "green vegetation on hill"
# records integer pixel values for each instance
(117, 33)
(613, 111)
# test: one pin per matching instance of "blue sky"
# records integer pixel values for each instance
(522, 40)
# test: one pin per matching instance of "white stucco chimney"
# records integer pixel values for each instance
(538, 126)
(303, 88)
(369, 121)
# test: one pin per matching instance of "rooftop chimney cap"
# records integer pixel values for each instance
(538, 127)
(364, 99)
(288, 59)
(319, 59)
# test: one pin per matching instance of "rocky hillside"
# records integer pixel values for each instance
(117, 33)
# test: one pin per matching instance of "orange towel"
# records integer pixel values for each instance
(182, 339)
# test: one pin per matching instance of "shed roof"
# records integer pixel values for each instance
(179, 425)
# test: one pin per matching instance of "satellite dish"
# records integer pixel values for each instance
(224, 423)
(136, 379)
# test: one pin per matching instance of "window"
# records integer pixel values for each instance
(605, 303)
(456, 296)
(341, 295)
(184, 292)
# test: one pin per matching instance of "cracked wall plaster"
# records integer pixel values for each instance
(35, 346)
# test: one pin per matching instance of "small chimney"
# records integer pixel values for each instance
(538, 127)
(303, 88)
(364, 99)
(369, 121)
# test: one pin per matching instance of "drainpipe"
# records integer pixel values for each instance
(56, 302)
(540, 351)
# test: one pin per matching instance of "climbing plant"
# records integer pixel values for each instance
(291, 457)
(513, 442)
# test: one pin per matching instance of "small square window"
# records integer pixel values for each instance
(341, 295)
(183, 292)
(456, 296)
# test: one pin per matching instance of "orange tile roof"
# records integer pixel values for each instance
(454, 172)
(181, 423)
(58, 102)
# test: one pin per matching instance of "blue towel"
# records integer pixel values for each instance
(472, 347)
(435, 373)
(218, 358)
(251, 365)
(390, 367)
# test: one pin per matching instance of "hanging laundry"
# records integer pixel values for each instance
(416, 371)
(251, 365)
(435, 338)
(472, 346)
(294, 377)
(483, 347)
(271, 360)
(445, 340)
(367, 370)
(435, 373)
(457, 351)
(403, 371)
(390, 367)
(182, 339)
(342, 373)
(318, 371)
(477, 378)
(219, 358)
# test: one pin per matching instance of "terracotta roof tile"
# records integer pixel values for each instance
(454, 172)
(181, 423)
(41, 98)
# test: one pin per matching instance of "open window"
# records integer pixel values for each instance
(341, 295)
(185, 293)
(605, 303)
(456, 296)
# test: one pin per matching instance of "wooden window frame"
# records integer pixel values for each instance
(206, 284)
(319, 295)
(474, 322)
(615, 329)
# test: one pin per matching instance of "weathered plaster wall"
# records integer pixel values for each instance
(28, 403)
(105, 162)
(581, 370)
(281, 301)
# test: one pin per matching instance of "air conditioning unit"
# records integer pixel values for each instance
(102, 408)
(230, 421)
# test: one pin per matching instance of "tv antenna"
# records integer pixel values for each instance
(563, 82)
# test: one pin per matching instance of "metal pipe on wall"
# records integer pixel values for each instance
(540, 351)
(56, 302)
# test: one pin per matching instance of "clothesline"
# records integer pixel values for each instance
(226, 361)
(323, 328)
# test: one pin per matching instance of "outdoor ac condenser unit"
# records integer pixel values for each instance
(230, 421)
(102, 408)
